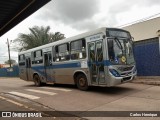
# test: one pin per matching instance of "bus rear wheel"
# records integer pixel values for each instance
(81, 82)
(37, 80)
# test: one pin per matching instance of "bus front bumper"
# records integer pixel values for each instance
(119, 80)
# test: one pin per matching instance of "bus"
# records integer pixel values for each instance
(102, 57)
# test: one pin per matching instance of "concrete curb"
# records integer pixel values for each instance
(149, 80)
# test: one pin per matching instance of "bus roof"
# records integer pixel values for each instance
(83, 35)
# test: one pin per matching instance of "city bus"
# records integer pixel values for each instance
(101, 57)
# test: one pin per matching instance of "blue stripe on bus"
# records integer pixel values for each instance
(69, 65)
(38, 69)
(105, 63)
(66, 65)
(41, 71)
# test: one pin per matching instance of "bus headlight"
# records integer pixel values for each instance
(114, 72)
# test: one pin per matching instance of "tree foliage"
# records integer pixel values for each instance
(38, 36)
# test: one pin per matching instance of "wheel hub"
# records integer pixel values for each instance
(82, 82)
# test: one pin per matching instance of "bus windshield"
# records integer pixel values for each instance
(120, 48)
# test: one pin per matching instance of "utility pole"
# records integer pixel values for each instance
(9, 52)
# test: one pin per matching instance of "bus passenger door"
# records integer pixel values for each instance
(96, 65)
(49, 73)
(28, 68)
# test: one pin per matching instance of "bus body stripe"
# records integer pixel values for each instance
(66, 65)
(57, 66)
(105, 63)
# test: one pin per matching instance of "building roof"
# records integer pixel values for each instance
(13, 12)
(145, 30)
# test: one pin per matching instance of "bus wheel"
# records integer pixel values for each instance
(82, 82)
(37, 80)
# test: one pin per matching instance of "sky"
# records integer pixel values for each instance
(72, 17)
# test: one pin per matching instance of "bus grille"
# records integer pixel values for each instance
(126, 74)
(125, 68)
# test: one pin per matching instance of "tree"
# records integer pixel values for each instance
(8, 61)
(38, 36)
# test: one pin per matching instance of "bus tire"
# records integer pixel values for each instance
(37, 81)
(81, 82)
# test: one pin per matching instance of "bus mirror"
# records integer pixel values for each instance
(104, 36)
(132, 38)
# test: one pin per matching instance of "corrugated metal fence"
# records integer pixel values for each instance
(147, 57)
(7, 72)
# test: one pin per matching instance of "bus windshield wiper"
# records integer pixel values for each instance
(118, 43)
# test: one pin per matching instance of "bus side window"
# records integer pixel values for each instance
(21, 60)
(21, 57)
(62, 52)
(37, 57)
(54, 53)
(78, 49)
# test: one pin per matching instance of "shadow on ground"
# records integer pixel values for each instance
(102, 90)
